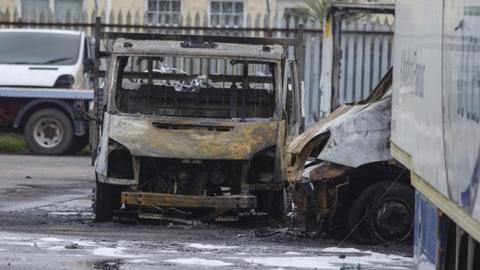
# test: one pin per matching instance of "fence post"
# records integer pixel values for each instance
(300, 51)
(300, 58)
(96, 71)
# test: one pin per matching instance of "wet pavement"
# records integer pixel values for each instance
(45, 223)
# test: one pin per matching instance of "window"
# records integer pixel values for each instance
(472, 10)
(226, 13)
(164, 12)
(30, 48)
(294, 12)
(155, 85)
(31, 9)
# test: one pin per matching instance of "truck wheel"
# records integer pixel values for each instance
(106, 200)
(387, 219)
(79, 144)
(49, 132)
(272, 203)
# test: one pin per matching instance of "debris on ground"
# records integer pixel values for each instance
(108, 264)
(266, 232)
(73, 246)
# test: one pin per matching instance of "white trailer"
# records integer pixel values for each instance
(436, 126)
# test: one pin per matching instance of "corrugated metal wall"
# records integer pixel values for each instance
(366, 57)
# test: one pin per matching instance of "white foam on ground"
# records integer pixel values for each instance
(53, 243)
(294, 262)
(199, 262)
(292, 253)
(168, 251)
(64, 213)
(18, 243)
(51, 239)
(56, 248)
(117, 252)
(209, 247)
(341, 250)
(332, 262)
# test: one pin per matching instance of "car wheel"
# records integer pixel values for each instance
(377, 219)
(106, 199)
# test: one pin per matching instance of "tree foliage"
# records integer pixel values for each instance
(316, 9)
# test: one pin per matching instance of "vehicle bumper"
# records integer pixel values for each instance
(188, 201)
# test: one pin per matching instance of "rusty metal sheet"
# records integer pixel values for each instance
(299, 142)
(327, 171)
(153, 136)
(358, 134)
(174, 200)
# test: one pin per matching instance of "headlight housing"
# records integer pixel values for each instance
(65, 81)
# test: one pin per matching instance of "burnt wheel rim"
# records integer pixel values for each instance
(392, 220)
(48, 133)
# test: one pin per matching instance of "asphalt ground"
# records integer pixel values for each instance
(46, 223)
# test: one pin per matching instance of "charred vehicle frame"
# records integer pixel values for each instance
(197, 145)
(341, 173)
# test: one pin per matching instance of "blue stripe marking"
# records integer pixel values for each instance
(51, 93)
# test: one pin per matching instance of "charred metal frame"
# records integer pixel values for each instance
(173, 200)
(315, 188)
(100, 54)
(99, 35)
(274, 133)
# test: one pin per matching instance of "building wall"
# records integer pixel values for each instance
(115, 6)
(189, 7)
(8, 4)
(202, 7)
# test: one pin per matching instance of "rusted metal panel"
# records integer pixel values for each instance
(175, 200)
(359, 134)
(223, 50)
(192, 138)
(327, 171)
(299, 142)
(362, 138)
(116, 181)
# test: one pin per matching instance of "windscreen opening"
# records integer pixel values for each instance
(35, 48)
(195, 87)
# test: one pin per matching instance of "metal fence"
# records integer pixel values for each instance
(366, 45)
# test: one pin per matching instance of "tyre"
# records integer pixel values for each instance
(106, 200)
(79, 144)
(273, 203)
(377, 219)
(49, 132)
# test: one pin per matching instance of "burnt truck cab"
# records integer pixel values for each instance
(193, 129)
